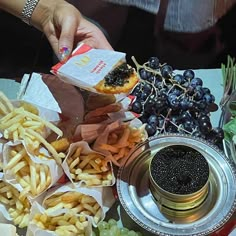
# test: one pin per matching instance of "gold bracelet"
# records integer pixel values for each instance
(28, 10)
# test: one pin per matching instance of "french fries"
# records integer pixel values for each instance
(67, 224)
(33, 177)
(61, 145)
(119, 143)
(5, 104)
(77, 202)
(18, 208)
(89, 168)
(24, 123)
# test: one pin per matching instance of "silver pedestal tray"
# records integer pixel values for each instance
(138, 202)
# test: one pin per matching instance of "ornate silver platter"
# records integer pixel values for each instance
(138, 202)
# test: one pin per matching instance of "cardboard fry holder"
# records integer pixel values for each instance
(103, 196)
(34, 229)
(123, 141)
(104, 177)
(53, 174)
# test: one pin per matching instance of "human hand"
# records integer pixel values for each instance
(65, 27)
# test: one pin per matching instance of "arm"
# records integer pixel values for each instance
(62, 23)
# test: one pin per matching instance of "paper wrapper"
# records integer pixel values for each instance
(103, 196)
(88, 66)
(119, 151)
(2, 142)
(34, 230)
(12, 208)
(43, 113)
(105, 176)
(4, 215)
(124, 114)
(35, 91)
(54, 170)
(72, 109)
(88, 132)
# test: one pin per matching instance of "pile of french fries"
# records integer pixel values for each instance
(18, 206)
(27, 150)
(77, 202)
(120, 141)
(89, 168)
(67, 224)
(33, 177)
(24, 134)
(24, 123)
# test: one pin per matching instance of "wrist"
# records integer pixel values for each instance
(41, 13)
(28, 10)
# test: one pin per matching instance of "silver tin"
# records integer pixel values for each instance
(138, 202)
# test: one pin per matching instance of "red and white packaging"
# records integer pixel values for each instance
(88, 66)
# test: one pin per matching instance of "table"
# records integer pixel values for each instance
(212, 78)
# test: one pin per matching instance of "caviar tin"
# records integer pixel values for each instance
(136, 197)
(175, 203)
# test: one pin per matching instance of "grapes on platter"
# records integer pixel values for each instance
(111, 228)
(173, 102)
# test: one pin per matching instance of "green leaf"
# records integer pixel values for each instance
(229, 129)
(232, 108)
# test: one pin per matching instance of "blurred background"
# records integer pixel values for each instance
(25, 49)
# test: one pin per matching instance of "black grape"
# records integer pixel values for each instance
(189, 74)
(169, 102)
(137, 107)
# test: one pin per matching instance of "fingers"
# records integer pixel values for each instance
(93, 36)
(69, 27)
(66, 28)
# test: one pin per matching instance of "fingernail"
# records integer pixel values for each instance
(64, 53)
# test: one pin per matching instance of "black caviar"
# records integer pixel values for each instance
(119, 76)
(179, 169)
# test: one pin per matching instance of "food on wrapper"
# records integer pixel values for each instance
(5, 105)
(97, 70)
(17, 206)
(61, 145)
(76, 202)
(87, 166)
(34, 177)
(63, 224)
(117, 140)
(24, 123)
(8, 229)
(120, 80)
(57, 223)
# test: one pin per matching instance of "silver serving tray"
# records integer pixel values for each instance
(138, 202)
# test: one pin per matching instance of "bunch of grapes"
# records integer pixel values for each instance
(110, 228)
(173, 103)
